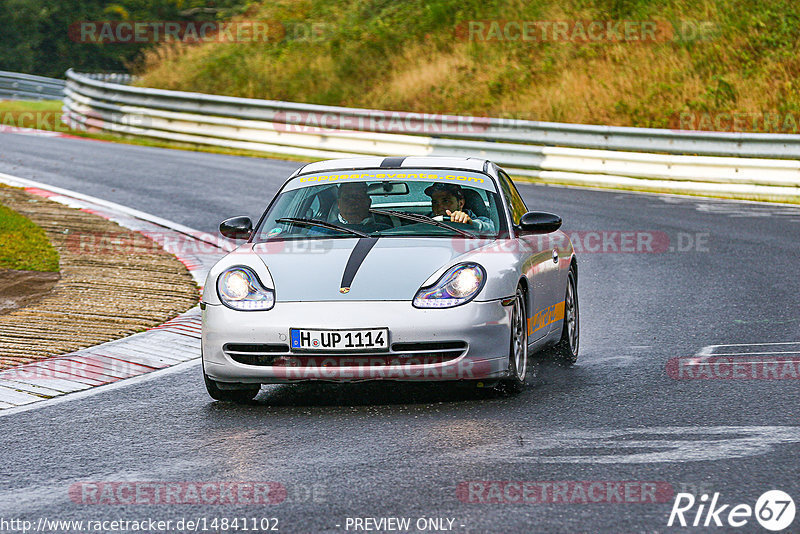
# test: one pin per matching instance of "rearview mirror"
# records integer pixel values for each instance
(236, 228)
(539, 222)
(387, 188)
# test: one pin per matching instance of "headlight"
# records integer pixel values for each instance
(457, 286)
(239, 288)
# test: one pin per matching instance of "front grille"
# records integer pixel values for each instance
(279, 355)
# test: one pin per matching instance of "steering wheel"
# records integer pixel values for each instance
(440, 218)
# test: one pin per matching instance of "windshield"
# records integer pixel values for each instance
(411, 203)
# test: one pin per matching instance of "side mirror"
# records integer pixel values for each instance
(236, 228)
(539, 222)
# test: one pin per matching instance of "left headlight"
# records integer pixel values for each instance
(458, 285)
(239, 288)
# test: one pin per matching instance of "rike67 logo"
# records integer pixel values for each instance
(774, 510)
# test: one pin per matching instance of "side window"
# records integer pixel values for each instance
(302, 203)
(314, 208)
(317, 203)
(515, 202)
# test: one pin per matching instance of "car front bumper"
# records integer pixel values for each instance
(483, 328)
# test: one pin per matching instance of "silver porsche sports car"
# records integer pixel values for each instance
(415, 268)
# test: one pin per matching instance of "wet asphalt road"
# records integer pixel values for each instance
(387, 450)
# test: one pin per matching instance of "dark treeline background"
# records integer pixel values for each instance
(34, 36)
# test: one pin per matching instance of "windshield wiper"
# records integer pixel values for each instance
(422, 219)
(321, 224)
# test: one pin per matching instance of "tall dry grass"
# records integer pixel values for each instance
(408, 56)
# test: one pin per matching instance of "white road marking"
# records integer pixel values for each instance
(678, 444)
(704, 363)
(736, 208)
(753, 353)
(710, 349)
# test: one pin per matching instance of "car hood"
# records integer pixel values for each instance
(393, 269)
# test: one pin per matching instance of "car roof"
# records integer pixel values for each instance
(378, 162)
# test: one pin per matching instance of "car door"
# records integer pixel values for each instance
(537, 265)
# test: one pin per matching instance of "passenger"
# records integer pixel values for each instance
(448, 200)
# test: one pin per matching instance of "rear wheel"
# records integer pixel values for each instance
(566, 351)
(518, 347)
(243, 394)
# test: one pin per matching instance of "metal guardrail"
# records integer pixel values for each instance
(122, 78)
(17, 86)
(696, 162)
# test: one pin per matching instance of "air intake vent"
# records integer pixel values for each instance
(430, 346)
(256, 347)
(255, 353)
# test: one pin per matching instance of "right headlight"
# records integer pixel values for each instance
(458, 285)
(239, 288)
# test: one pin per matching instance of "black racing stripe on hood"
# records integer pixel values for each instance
(360, 251)
(392, 163)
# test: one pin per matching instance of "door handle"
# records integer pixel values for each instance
(555, 255)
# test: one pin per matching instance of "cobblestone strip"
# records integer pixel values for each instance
(115, 283)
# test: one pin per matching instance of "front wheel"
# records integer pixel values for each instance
(566, 351)
(518, 347)
(239, 395)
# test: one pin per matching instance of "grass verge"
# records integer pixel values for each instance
(23, 245)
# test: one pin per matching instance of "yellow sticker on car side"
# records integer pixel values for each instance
(545, 317)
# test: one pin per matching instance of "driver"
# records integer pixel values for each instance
(447, 200)
(354, 204)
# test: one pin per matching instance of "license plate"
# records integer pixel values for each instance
(340, 340)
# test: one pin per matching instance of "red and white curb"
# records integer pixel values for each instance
(175, 342)
(4, 128)
(29, 131)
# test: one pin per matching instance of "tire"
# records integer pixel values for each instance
(566, 350)
(240, 395)
(518, 347)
